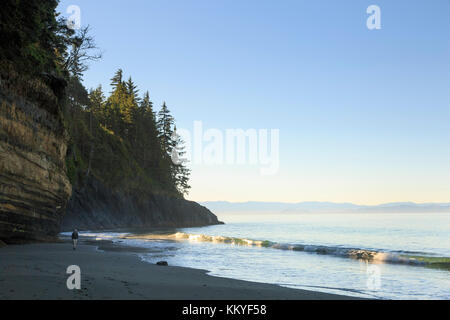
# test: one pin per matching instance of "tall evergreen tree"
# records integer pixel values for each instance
(180, 172)
(97, 99)
(132, 89)
(117, 79)
(147, 107)
(122, 106)
(164, 124)
(147, 133)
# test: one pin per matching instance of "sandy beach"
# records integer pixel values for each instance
(38, 271)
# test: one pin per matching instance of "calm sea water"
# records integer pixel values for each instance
(364, 255)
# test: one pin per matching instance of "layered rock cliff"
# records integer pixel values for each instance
(95, 207)
(34, 188)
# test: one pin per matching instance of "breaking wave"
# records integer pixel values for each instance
(380, 256)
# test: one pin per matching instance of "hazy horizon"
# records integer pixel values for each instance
(332, 202)
(258, 208)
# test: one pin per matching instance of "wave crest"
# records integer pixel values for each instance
(353, 253)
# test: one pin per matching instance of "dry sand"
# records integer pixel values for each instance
(38, 271)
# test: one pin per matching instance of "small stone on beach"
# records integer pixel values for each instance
(162, 263)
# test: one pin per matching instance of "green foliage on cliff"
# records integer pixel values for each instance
(118, 139)
(33, 38)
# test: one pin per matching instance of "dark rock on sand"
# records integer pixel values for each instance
(162, 263)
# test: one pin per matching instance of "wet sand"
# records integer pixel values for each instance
(38, 271)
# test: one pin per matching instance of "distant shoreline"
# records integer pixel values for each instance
(225, 207)
(38, 271)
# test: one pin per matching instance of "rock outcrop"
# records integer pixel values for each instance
(34, 188)
(96, 207)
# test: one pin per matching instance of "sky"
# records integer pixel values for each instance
(363, 115)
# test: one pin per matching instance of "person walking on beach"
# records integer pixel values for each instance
(75, 239)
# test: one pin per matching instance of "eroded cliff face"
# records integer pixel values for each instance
(95, 207)
(34, 188)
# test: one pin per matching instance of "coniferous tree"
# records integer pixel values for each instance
(118, 105)
(148, 142)
(132, 90)
(97, 105)
(180, 172)
(147, 107)
(164, 125)
(117, 79)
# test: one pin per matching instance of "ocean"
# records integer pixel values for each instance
(383, 256)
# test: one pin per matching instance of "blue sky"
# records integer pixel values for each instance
(363, 114)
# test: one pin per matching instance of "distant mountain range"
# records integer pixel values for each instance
(220, 207)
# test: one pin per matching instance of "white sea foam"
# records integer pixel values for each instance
(379, 256)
